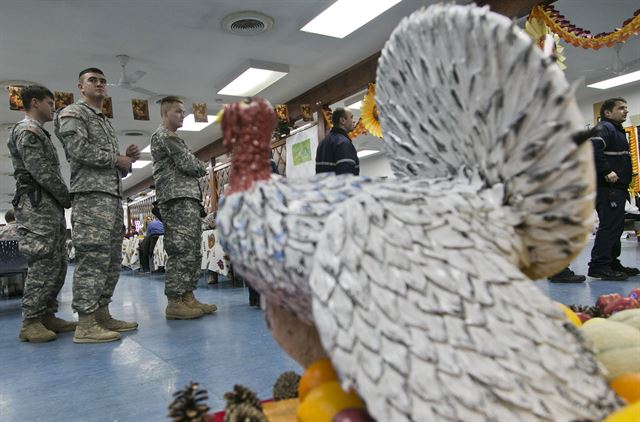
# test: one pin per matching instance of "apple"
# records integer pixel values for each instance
(604, 300)
(634, 294)
(583, 316)
(620, 305)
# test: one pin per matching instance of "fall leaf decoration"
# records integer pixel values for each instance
(537, 30)
(369, 112)
(188, 404)
(579, 37)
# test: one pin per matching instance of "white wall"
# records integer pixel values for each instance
(375, 166)
(631, 94)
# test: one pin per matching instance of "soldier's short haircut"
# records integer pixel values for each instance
(166, 102)
(609, 104)
(34, 91)
(338, 113)
(90, 70)
(9, 217)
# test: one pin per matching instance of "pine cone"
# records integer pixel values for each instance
(579, 308)
(188, 404)
(245, 413)
(595, 312)
(286, 386)
(240, 395)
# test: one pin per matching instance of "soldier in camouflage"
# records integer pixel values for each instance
(39, 203)
(10, 230)
(176, 172)
(97, 167)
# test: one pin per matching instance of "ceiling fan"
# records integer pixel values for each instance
(128, 81)
(619, 67)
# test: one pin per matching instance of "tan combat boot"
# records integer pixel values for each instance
(58, 325)
(33, 331)
(190, 300)
(89, 331)
(177, 309)
(104, 318)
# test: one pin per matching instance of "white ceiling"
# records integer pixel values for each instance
(181, 46)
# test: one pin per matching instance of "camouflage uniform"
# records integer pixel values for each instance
(39, 203)
(91, 148)
(9, 231)
(176, 172)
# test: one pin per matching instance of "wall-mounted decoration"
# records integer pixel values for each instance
(62, 99)
(107, 107)
(305, 112)
(140, 109)
(200, 112)
(282, 112)
(15, 100)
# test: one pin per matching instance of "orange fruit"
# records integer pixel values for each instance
(318, 373)
(326, 401)
(627, 386)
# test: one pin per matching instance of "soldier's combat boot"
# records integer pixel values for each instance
(33, 331)
(89, 331)
(104, 318)
(58, 325)
(190, 300)
(177, 309)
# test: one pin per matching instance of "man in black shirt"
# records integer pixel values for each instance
(336, 154)
(613, 169)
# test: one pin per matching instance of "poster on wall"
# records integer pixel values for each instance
(301, 153)
(140, 109)
(107, 107)
(62, 99)
(15, 98)
(200, 112)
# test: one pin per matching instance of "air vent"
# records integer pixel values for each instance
(247, 23)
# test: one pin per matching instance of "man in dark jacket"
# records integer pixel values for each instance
(613, 169)
(336, 154)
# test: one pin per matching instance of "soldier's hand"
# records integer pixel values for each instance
(611, 177)
(133, 152)
(123, 162)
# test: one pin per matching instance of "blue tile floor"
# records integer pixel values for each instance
(134, 379)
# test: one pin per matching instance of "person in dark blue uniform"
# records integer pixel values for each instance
(336, 153)
(613, 169)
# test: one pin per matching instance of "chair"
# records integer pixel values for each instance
(12, 262)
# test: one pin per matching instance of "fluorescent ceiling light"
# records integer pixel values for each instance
(147, 149)
(617, 81)
(356, 106)
(256, 77)
(140, 164)
(189, 124)
(367, 152)
(345, 16)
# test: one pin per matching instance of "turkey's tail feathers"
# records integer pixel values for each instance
(496, 109)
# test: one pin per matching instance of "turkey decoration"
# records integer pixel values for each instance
(419, 289)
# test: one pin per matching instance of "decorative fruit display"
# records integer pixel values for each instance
(617, 345)
(630, 413)
(318, 373)
(629, 316)
(323, 399)
(608, 305)
(353, 415)
(604, 300)
(571, 316)
(627, 386)
(324, 402)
